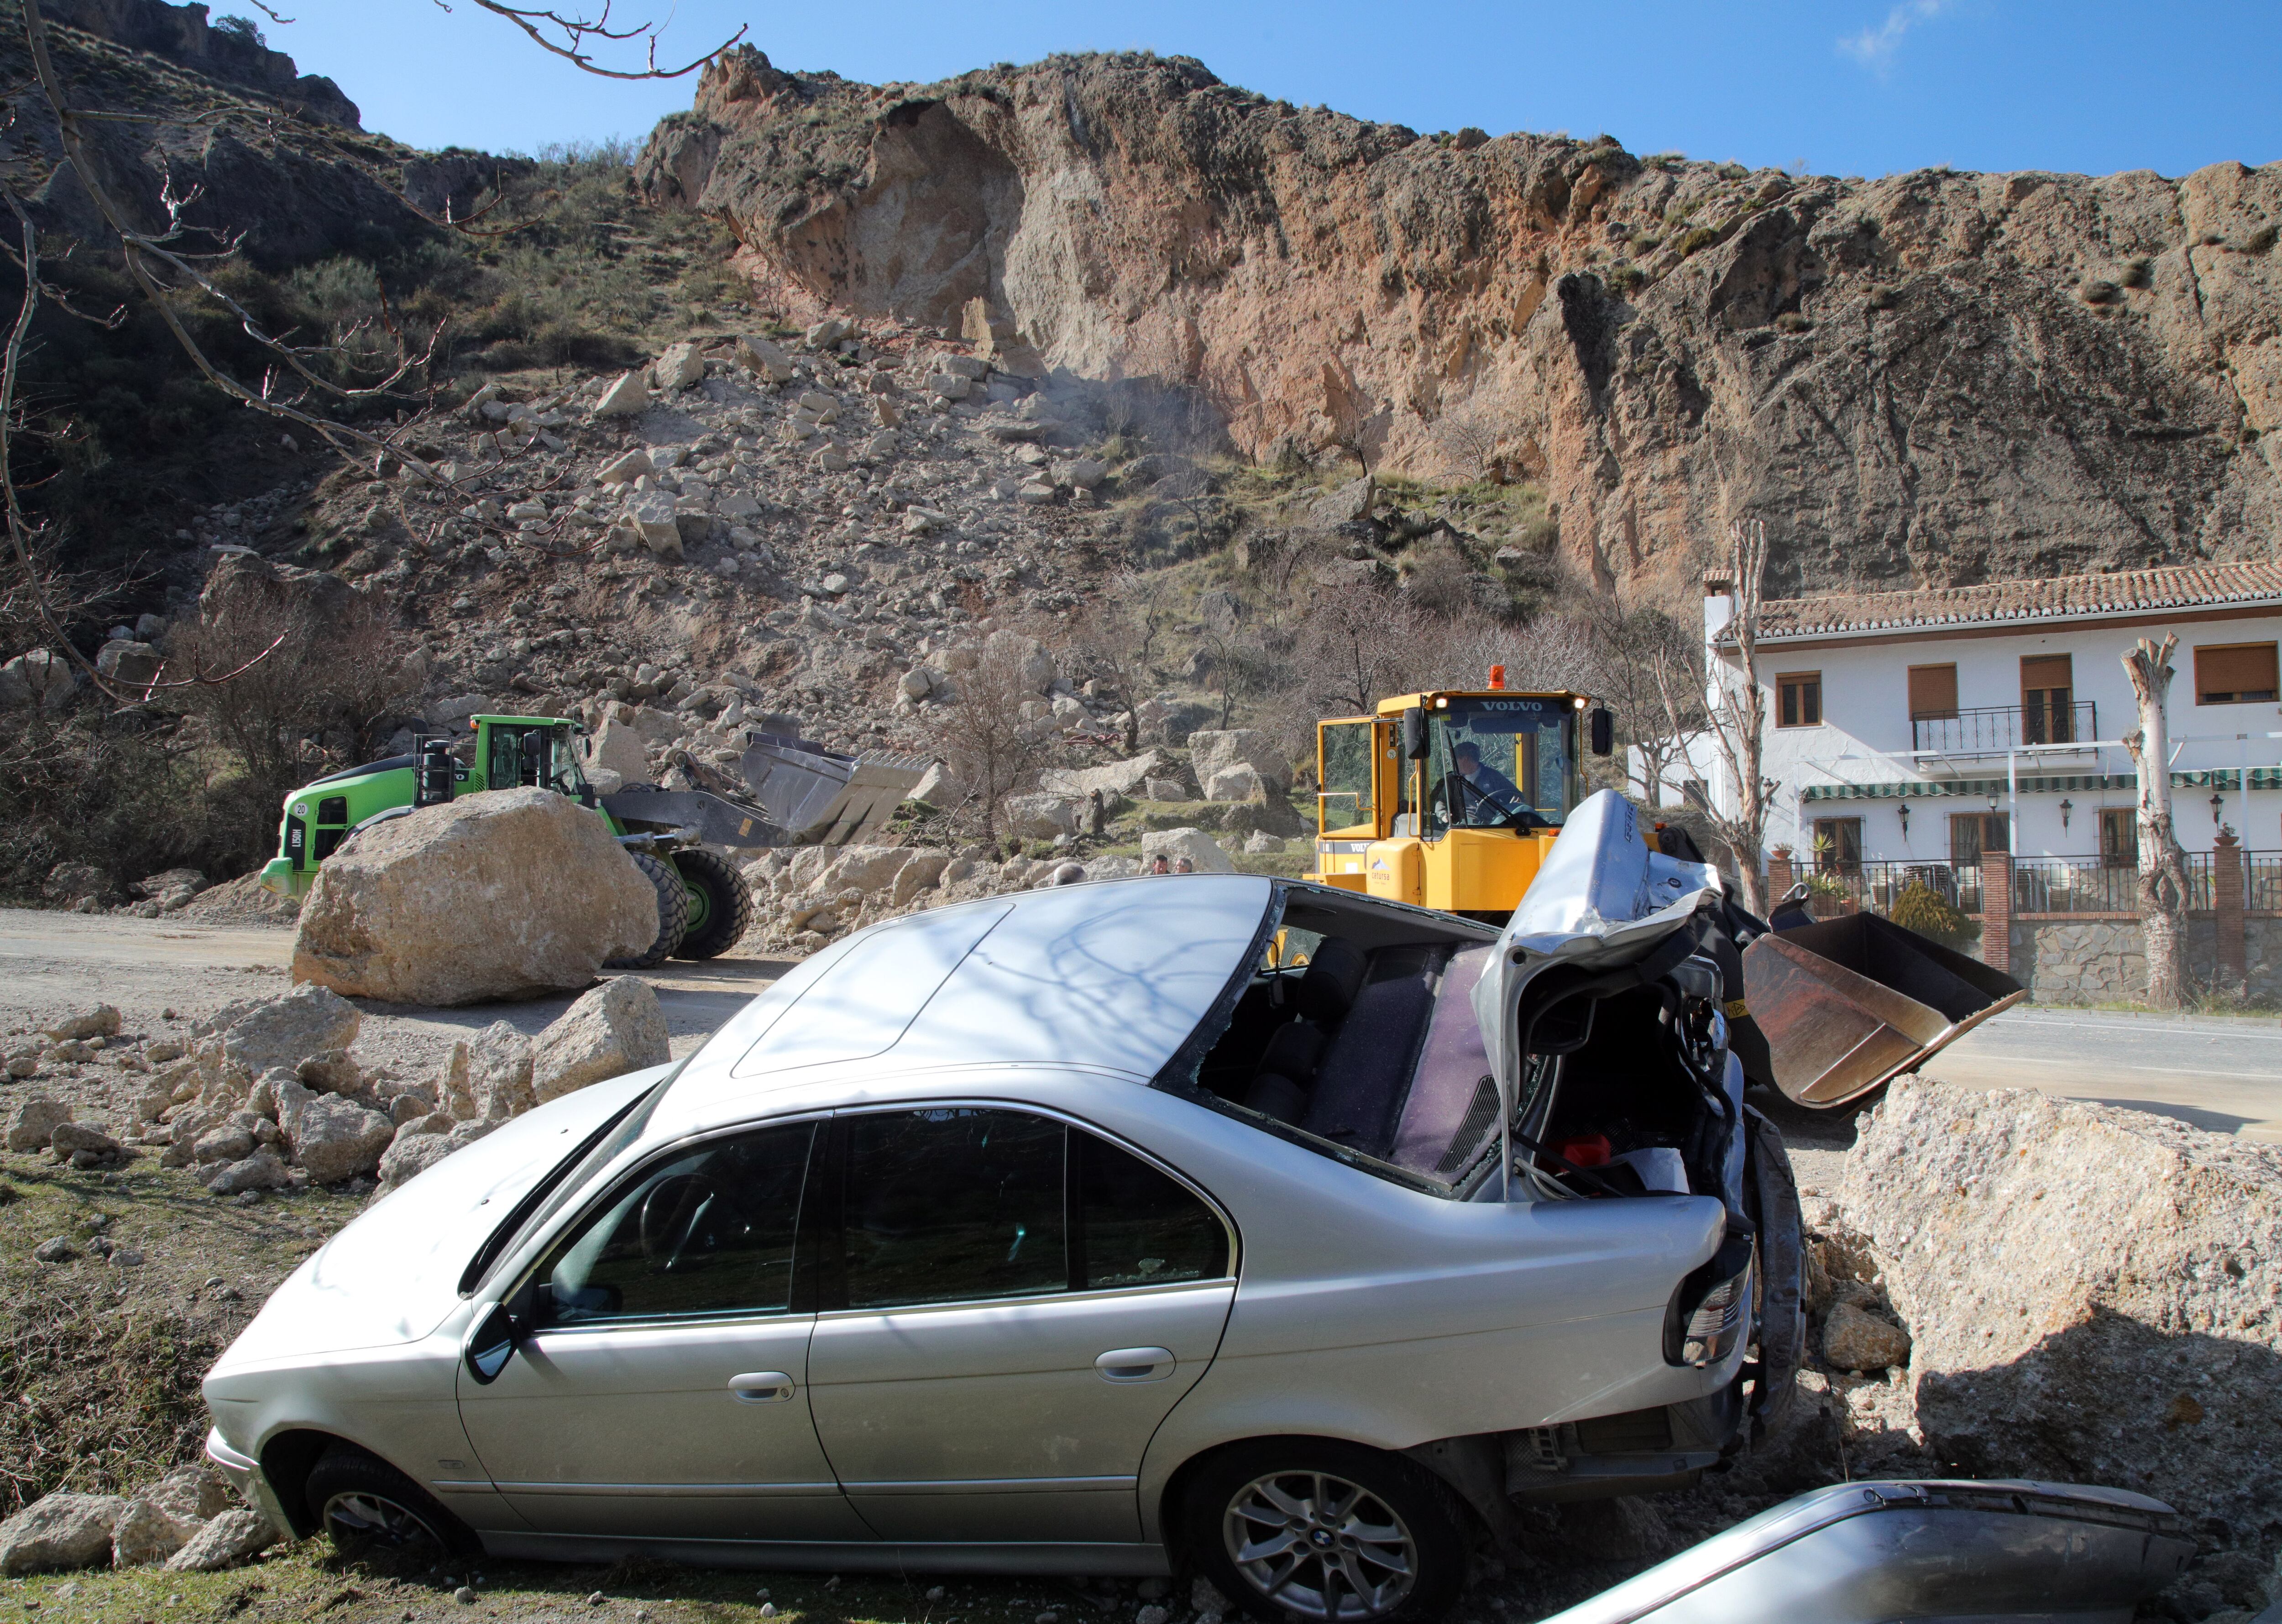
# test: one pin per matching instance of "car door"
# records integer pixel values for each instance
(660, 1392)
(1021, 1302)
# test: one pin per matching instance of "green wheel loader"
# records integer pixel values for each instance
(793, 794)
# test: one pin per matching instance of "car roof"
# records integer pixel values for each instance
(1110, 977)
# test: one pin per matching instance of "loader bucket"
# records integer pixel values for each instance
(821, 798)
(1847, 1004)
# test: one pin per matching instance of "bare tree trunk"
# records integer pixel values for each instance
(2162, 865)
(1739, 722)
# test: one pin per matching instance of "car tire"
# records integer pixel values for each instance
(672, 912)
(1380, 1537)
(359, 1501)
(722, 905)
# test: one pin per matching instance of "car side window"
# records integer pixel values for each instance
(953, 1205)
(704, 1232)
(1135, 1225)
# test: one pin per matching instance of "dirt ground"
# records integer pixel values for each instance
(100, 1358)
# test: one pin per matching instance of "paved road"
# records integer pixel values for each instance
(2221, 1072)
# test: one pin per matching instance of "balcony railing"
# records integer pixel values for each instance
(1994, 728)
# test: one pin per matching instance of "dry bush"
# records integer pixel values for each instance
(981, 732)
(100, 1400)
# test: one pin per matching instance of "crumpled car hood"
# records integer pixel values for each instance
(393, 1274)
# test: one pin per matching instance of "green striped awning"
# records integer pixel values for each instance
(2212, 779)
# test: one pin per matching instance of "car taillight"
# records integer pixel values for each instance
(1709, 1309)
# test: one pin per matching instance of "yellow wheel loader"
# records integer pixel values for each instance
(1452, 800)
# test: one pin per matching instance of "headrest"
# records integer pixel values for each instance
(1272, 1095)
(1333, 976)
(1294, 1050)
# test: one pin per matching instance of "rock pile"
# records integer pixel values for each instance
(2090, 1293)
(510, 894)
(271, 1094)
(189, 1520)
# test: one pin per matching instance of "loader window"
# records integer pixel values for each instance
(1345, 804)
(1501, 764)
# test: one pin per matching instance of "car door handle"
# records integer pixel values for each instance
(1135, 1365)
(767, 1386)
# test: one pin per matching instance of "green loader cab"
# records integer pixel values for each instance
(794, 792)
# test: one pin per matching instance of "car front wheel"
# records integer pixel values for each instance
(360, 1501)
(1323, 1530)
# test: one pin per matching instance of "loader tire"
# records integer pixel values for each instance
(720, 904)
(672, 912)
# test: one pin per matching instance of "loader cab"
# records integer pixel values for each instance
(528, 753)
(1450, 800)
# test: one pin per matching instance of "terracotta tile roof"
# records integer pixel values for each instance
(2181, 586)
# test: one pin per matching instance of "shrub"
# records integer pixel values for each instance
(1700, 237)
(1922, 909)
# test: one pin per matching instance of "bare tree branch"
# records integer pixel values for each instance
(576, 32)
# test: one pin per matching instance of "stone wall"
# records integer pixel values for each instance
(2101, 960)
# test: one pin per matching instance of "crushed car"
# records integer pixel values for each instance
(1262, 1226)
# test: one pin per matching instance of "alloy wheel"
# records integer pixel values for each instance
(361, 1515)
(1319, 1546)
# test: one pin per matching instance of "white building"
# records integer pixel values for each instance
(1927, 726)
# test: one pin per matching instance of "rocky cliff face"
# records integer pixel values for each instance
(1930, 378)
(182, 35)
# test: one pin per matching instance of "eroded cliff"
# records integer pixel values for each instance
(1932, 377)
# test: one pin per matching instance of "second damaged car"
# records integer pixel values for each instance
(1261, 1226)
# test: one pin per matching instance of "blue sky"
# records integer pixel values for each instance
(1846, 87)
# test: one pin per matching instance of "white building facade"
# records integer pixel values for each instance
(1928, 727)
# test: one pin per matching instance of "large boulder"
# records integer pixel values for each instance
(2090, 1293)
(419, 1147)
(618, 1027)
(1199, 847)
(40, 677)
(1216, 750)
(1127, 777)
(147, 1533)
(286, 1030)
(32, 1123)
(60, 1531)
(498, 1072)
(1042, 817)
(514, 893)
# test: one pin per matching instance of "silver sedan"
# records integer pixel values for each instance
(1260, 1227)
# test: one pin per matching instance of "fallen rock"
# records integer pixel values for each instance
(283, 1031)
(1194, 844)
(147, 1533)
(625, 469)
(1855, 1339)
(628, 397)
(388, 917)
(2091, 1291)
(233, 1537)
(1240, 782)
(194, 1494)
(1215, 750)
(1126, 778)
(414, 1152)
(335, 1139)
(1260, 843)
(56, 1248)
(100, 1021)
(262, 1171)
(1042, 817)
(618, 1027)
(73, 1139)
(333, 1071)
(39, 678)
(32, 1124)
(677, 367)
(60, 1531)
(498, 1072)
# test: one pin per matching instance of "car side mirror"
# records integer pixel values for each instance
(493, 1344)
(1414, 735)
(1603, 727)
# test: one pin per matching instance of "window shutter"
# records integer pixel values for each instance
(2224, 671)
(1933, 691)
(2044, 671)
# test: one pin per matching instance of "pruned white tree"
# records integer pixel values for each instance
(2162, 865)
(1737, 710)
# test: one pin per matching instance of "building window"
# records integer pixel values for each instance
(2047, 684)
(1933, 694)
(1798, 699)
(1838, 845)
(2235, 674)
(1972, 833)
(2119, 838)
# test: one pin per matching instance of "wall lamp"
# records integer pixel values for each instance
(2066, 806)
(2217, 802)
(1903, 808)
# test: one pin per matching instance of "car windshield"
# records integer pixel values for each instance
(572, 1174)
(1501, 762)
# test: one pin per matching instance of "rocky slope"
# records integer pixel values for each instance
(1930, 377)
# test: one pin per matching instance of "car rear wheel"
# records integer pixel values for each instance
(361, 1502)
(1317, 1529)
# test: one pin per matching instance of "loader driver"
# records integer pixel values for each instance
(1481, 793)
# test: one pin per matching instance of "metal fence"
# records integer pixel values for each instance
(1877, 885)
(2262, 881)
(2045, 885)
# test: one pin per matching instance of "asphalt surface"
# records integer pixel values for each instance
(2219, 1073)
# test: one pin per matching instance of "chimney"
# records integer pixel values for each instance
(1718, 607)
